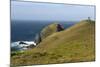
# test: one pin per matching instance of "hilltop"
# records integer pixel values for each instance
(75, 44)
(48, 30)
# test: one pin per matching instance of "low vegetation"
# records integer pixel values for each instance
(75, 44)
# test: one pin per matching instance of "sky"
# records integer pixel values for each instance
(50, 12)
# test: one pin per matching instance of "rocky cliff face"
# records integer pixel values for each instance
(48, 30)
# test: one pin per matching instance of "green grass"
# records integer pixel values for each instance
(48, 30)
(75, 44)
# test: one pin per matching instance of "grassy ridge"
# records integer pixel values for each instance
(48, 30)
(71, 45)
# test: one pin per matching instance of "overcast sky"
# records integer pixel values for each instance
(50, 12)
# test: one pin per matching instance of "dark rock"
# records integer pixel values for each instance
(59, 27)
(31, 46)
(22, 43)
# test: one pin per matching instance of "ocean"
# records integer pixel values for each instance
(27, 30)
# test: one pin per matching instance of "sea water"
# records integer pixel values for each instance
(25, 31)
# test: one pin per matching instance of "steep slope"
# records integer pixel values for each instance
(48, 30)
(71, 45)
(81, 31)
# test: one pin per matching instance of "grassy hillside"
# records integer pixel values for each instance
(48, 30)
(75, 44)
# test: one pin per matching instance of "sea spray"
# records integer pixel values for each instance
(22, 45)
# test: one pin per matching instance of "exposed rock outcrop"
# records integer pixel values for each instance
(59, 27)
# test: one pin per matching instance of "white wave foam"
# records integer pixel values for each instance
(22, 45)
